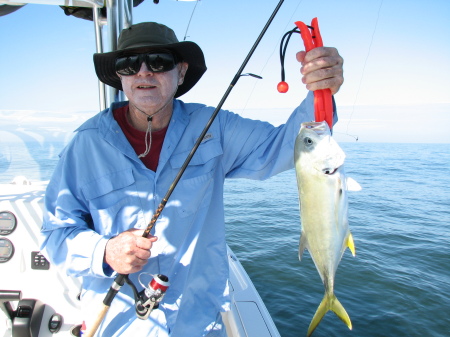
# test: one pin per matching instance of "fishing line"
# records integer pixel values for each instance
(275, 48)
(190, 19)
(364, 67)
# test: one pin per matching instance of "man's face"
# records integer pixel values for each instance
(150, 91)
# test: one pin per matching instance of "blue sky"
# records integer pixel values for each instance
(397, 69)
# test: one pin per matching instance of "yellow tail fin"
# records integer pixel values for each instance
(329, 302)
(351, 244)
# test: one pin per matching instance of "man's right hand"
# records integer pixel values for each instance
(128, 252)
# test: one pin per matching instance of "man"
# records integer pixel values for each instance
(112, 176)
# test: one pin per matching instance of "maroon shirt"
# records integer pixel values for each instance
(137, 138)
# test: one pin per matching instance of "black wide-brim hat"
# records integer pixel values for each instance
(145, 37)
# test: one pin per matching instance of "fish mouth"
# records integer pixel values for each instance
(320, 128)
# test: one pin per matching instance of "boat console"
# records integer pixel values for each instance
(36, 298)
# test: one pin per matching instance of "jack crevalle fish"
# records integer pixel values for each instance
(322, 188)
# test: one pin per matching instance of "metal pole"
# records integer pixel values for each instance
(127, 14)
(119, 16)
(99, 48)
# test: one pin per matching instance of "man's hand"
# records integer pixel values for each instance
(128, 252)
(321, 69)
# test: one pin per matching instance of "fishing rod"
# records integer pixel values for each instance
(153, 296)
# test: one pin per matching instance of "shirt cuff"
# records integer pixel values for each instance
(99, 267)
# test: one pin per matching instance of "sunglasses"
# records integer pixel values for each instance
(155, 62)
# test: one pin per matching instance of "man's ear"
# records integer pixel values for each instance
(182, 72)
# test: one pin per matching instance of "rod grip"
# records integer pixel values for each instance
(90, 332)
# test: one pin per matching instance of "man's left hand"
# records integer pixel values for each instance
(322, 68)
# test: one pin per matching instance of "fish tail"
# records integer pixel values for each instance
(329, 302)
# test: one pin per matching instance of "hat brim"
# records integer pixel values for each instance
(190, 52)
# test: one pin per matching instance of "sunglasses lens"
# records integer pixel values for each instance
(128, 65)
(160, 62)
(155, 62)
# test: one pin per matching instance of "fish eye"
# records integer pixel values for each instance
(308, 141)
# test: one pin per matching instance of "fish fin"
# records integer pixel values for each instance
(340, 312)
(303, 244)
(352, 185)
(329, 302)
(351, 244)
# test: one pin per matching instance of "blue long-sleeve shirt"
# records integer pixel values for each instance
(101, 188)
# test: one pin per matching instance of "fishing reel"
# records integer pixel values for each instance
(150, 297)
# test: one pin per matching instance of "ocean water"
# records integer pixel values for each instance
(399, 282)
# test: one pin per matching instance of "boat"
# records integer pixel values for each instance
(38, 299)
